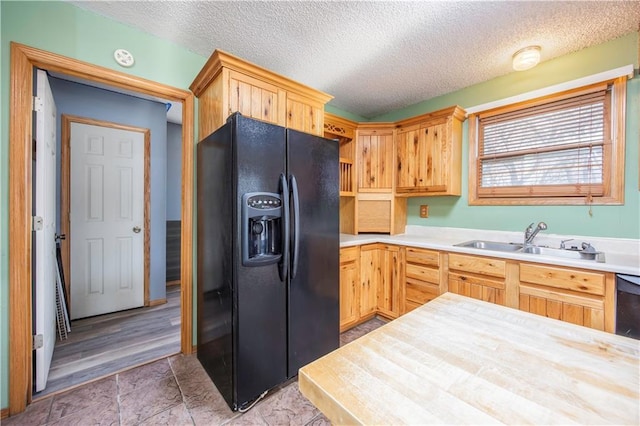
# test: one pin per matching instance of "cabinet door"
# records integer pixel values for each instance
(423, 158)
(256, 99)
(477, 287)
(434, 169)
(478, 277)
(564, 307)
(388, 281)
(349, 289)
(304, 114)
(375, 163)
(369, 277)
(569, 295)
(408, 160)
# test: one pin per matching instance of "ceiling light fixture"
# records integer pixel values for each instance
(526, 58)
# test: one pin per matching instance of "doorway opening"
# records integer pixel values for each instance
(23, 61)
(109, 337)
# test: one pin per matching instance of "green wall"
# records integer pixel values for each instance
(344, 114)
(64, 29)
(607, 221)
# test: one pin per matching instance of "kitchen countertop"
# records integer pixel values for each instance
(458, 360)
(621, 255)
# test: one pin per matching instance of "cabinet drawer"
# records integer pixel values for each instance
(472, 280)
(418, 292)
(349, 254)
(477, 265)
(422, 256)
(562, 278)
(422, 273)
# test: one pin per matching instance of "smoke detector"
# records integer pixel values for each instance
(123, 58)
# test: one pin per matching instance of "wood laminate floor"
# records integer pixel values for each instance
(106, 344)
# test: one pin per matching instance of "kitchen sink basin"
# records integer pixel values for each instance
(567, 254)
(491, 245)
(589, 254)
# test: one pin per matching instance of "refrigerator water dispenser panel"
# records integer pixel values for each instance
(261, 228)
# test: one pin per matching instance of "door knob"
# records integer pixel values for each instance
(136, 229)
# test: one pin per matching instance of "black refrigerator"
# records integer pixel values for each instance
(268, 255)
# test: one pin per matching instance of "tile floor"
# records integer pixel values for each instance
(173, 391)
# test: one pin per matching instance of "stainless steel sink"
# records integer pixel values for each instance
(589, 254)
(568, 254)
(491, 245)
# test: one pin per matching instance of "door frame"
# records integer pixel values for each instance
(65, 195)
(23, 60)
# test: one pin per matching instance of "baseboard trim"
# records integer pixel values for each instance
(157, 302)
(174, 282)
(4, 413)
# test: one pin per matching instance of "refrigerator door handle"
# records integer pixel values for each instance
(296, 225)
(283, 265)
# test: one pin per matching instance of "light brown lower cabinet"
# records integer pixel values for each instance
(349, 287)
(482, 278)
(390, 280)
(370, 277)
(380, 270)
(422, 277)
(390, 271)
(573, 295)
(369, 271)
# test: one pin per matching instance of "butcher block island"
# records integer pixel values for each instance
(458, 360)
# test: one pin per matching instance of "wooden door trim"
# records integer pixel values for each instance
(65, 194)
(23, 59)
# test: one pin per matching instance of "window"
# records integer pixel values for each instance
(566, 148)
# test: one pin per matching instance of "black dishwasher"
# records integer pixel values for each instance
(628, 306)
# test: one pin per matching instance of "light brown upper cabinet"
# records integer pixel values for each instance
(305, 113)
(377, 208)
(374, 148)
(429, 154)
(344, 131)
(228, 84)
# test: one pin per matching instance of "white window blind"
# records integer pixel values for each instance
(555, 147)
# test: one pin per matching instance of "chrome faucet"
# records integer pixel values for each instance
(530, 233)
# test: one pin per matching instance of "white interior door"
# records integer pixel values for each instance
(44, 249)
(106, 220)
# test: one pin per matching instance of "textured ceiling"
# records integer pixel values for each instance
(376, 57)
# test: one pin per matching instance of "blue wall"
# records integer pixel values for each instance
(174, 171)
(90, 102)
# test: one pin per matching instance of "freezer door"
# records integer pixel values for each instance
(215, 259)
(313, 298)
(260, 327)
